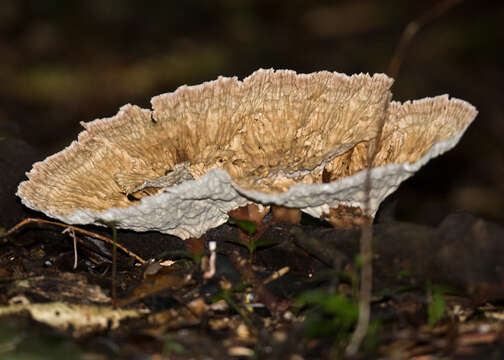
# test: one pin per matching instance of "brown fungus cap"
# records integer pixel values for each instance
(277, 137)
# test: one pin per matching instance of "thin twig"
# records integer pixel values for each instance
(412, 29)
(276, 275)
(27, 221)
(366, 239)
(366, 249)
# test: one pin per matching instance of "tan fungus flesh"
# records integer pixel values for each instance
(270, 131)
(270, 125)
(409, 132)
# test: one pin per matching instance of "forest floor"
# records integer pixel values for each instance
(291, 294)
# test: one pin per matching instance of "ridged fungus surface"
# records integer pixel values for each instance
(275, 138)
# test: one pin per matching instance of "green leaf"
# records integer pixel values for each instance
(253, 245)
(437, 304)
(404, 274)
(171, 346)
(248, 226)
(328, 314)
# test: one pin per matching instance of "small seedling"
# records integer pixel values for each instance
(404, 274)
(250, 228)
(329, 314)
(334, 315)
(173, 347)
(226, 294)
(436, 307)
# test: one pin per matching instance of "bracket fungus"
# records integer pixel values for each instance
(276, 138)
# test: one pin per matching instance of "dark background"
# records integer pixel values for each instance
(62, 62)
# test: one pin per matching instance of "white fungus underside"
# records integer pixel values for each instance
(193, 207)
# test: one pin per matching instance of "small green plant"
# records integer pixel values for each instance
(253, 245)
(436, 307)
(250, 228)
(226, 293)
(173, 347)
(404, 274)
(180, 255)
(334, 315)
(328, 314)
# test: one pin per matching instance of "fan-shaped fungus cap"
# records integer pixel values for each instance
(277, 137)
